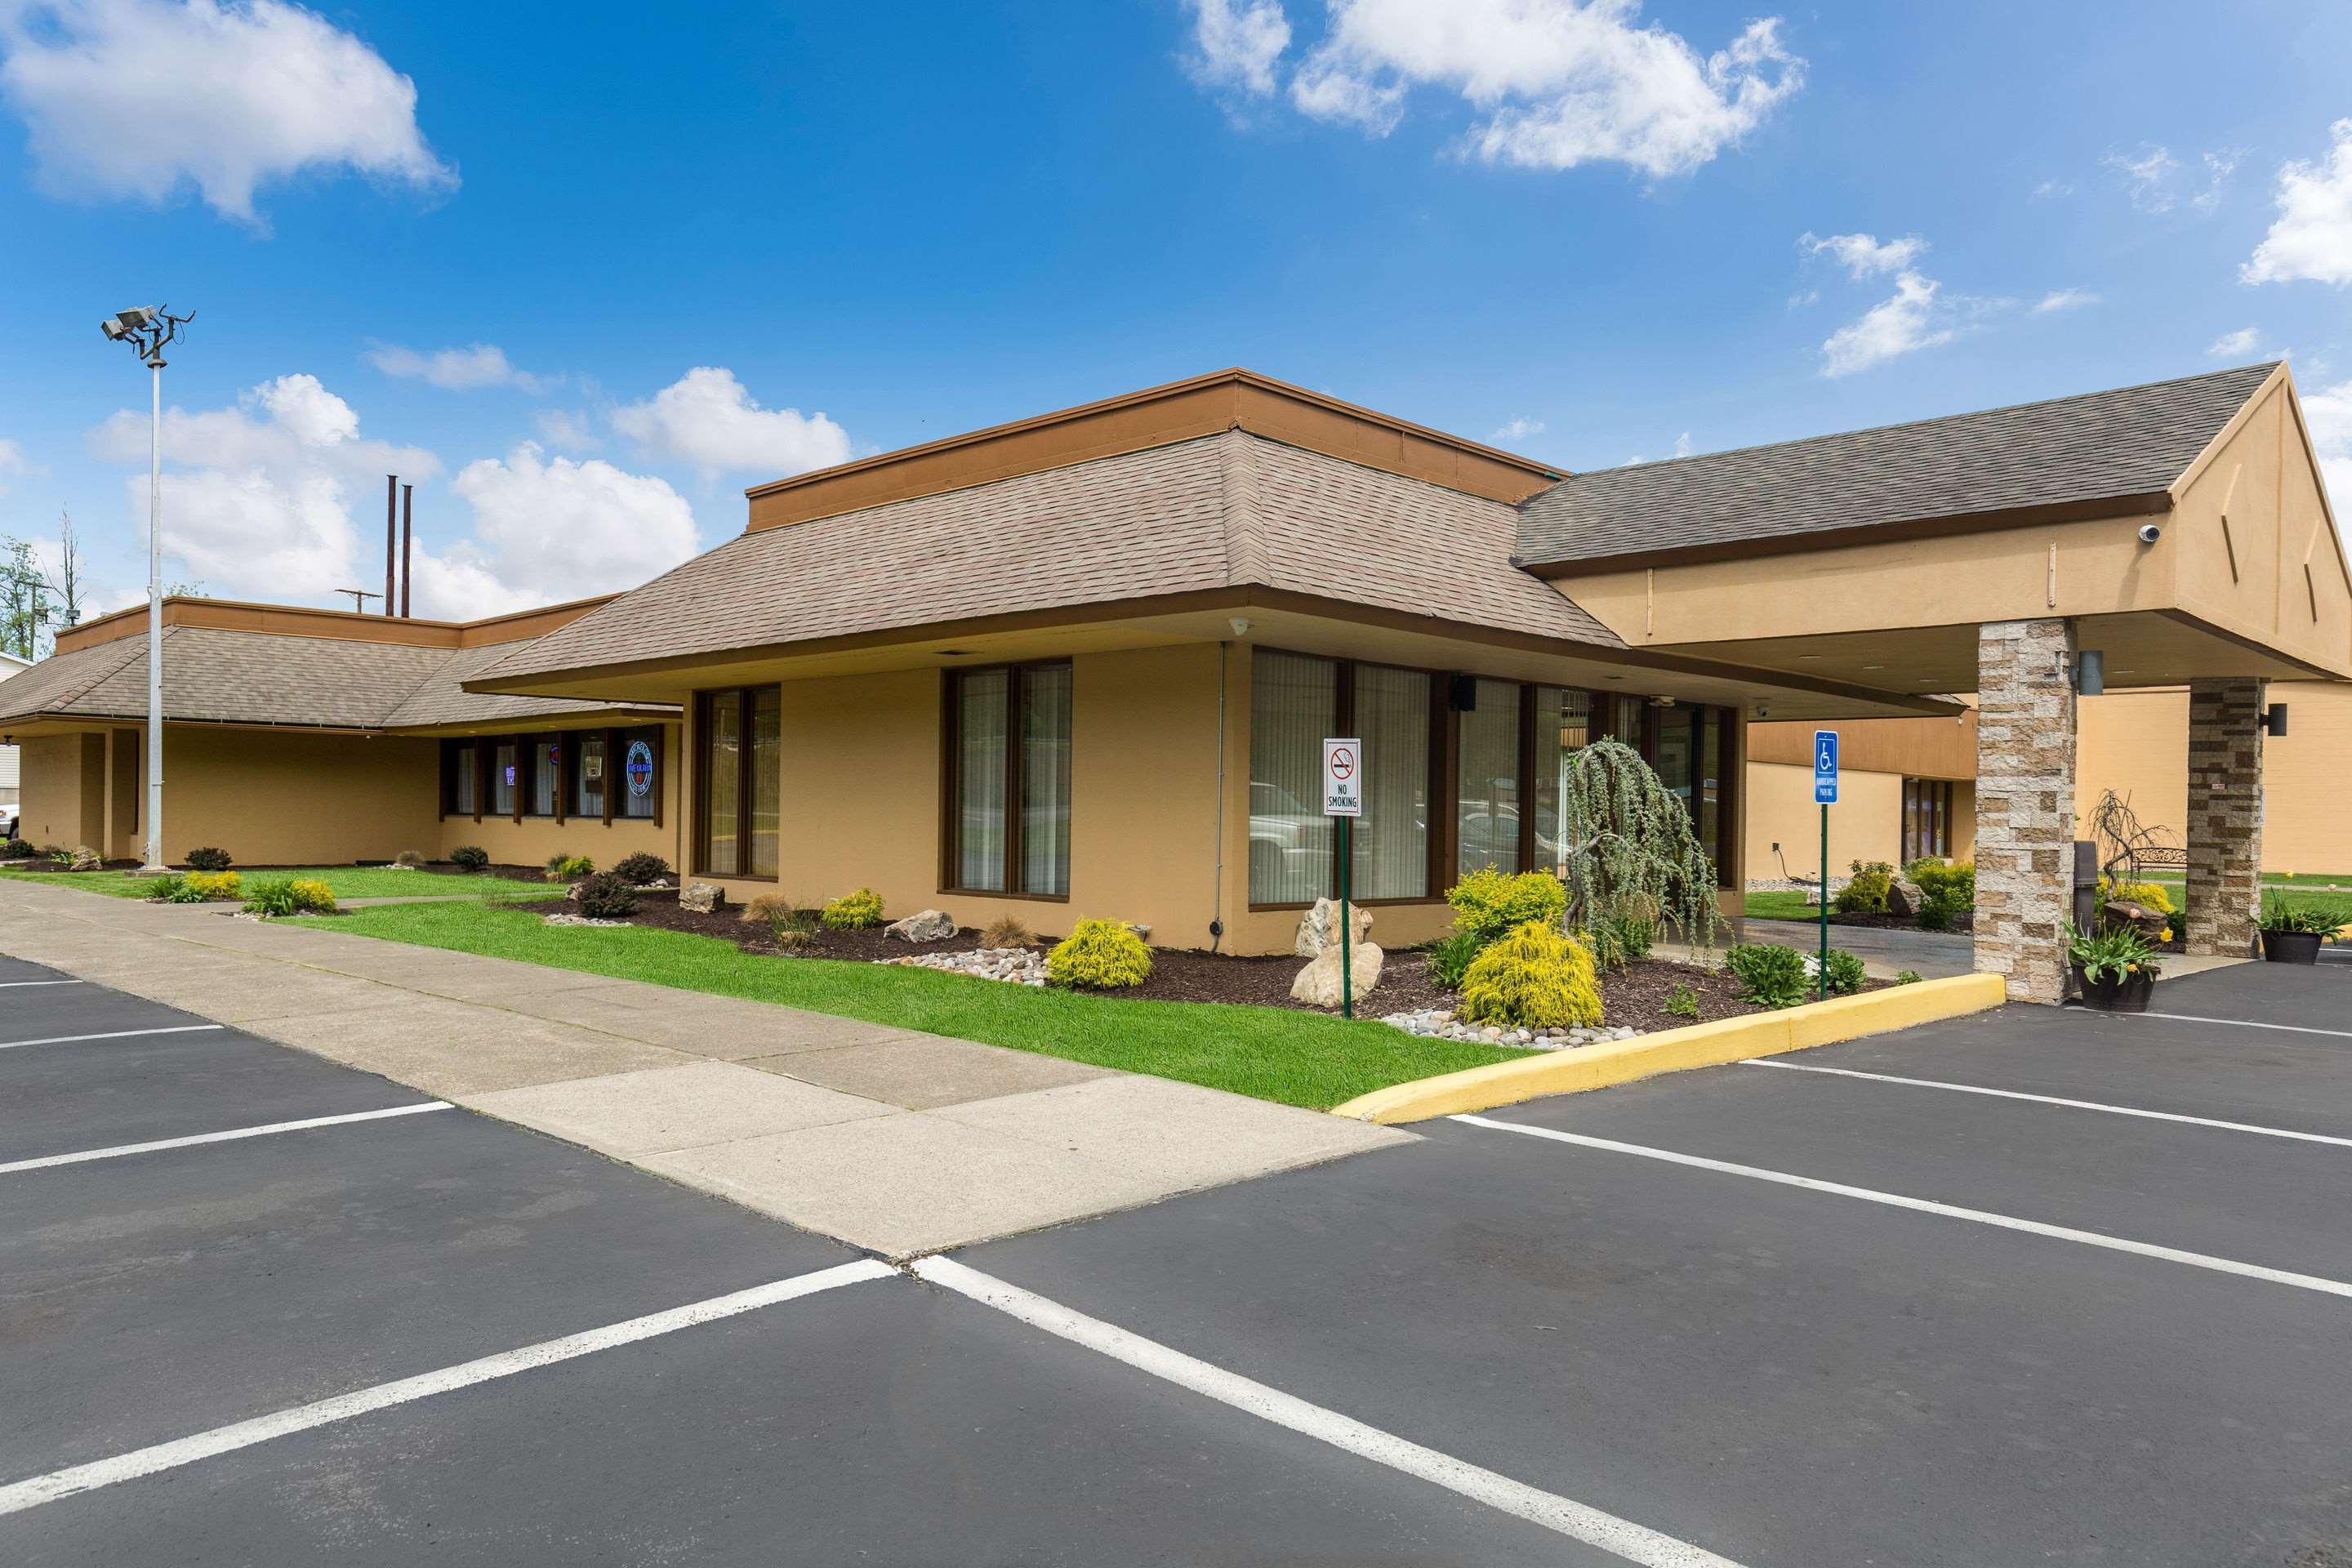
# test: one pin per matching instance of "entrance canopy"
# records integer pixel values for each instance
(2182, 527)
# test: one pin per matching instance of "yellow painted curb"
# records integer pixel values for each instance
(1678, 1050)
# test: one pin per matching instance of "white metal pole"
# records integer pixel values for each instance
(156, 620)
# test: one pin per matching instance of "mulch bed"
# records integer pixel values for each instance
(1633, 998)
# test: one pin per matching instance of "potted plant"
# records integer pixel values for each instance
(2292, 932)
(2115, 968)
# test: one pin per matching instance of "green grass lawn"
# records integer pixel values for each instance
(348, 882)
(1781, 907)
(1273, 1053)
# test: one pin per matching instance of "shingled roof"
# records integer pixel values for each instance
(218, 677)
(1226, 511)
(2125, 446)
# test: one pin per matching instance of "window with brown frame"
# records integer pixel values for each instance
(1005, 804)
(740, 781)
(562, 775)
(1926, 819)
(1295, 702)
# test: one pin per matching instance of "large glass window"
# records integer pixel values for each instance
(1563, 726)
(546, 773)
(588, 776)
(1294, 704)
(635, 767)
(1390, 840)
(1010, 742)
(1486, 783)
(502, 779)
(742, 780)
(461, 762)
(1927, 818)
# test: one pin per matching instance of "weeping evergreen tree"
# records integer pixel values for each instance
(1631, 852)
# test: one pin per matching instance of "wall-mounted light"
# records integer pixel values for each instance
(2090, 672)
(1240, 625)
(2274, 720)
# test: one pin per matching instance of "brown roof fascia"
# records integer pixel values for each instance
(1759, 545)
(1155, 416)
(1224, 599)
(346, 625)
(600, 717)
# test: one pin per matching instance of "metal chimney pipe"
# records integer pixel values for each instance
(391, 504)
(407, 516)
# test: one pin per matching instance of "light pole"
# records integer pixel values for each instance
(147, 331)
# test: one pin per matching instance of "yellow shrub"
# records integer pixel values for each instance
(1486, 903)
(211, 885)
(1099, 956)
(2146, 895)
(313, 895)
(1535, 978)
(859, 911)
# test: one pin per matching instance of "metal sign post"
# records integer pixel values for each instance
(1343, 798)
(1826, 785)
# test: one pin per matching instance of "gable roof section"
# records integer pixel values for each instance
(1220, 511)
(216, 676)
(2105, 453)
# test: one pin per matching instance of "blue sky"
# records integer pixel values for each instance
(585, 271)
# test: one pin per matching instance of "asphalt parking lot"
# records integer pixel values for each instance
(1912, 1311)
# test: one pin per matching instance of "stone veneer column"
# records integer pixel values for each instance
(2025, 804)
(2225, 815)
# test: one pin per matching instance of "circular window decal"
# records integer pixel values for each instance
(639, 768)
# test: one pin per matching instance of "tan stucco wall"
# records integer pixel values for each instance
(63, 798)
(284, 799)
(1866, 823)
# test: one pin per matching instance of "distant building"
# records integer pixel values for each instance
(9, 665)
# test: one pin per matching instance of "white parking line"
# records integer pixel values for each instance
(1634, 1543)
(2242, 1023)
(48, 1161)
(1925, 1205)
(139, 1462)
(2050, 1100)
(113, 1035)
(14, 984)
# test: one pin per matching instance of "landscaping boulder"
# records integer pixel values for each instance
(701, 897)
(1317, 985)
(1319, 928)
(2150, 923)
(85, 859)
(1904, 897)
(931, 925)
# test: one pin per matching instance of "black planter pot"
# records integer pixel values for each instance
(2291, 946)
(2115, 994)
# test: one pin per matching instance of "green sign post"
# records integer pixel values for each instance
(1343, 800)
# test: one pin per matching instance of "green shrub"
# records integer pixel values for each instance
(1936, 913)
(1908, 977)
(1956, 885)
(1449, 958)
(607, 896)
(1533, 977)
(1770, 976)
(569, 868)
(208, 858)
(16, 849)
(174, 890)
(1097, 956)
(1846, 973)
(1682, 1002)
(275, 898)
(642, 867)
(1867, 892)
(1622, 934)
(470, 856)
(860, 911)
(1486, 903)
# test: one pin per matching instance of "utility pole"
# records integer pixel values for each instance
(147, 329)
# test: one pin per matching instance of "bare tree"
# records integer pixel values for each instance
(68, 582)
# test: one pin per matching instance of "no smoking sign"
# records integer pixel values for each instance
(1343, 778)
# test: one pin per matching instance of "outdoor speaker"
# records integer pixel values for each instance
(1463, 692)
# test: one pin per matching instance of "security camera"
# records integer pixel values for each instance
(2149, 533)
(1240, 625)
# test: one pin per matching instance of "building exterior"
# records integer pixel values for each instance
(9, 665)
(1082, 664)
(1907, 788)
(305, 737)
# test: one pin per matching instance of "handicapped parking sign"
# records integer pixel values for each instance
(1825, 767)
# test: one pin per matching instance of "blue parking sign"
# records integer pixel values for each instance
(1825, 748)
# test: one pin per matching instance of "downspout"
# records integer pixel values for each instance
(1217, 900)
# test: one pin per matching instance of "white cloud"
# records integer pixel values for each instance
(2065, 300)
(1518, 429)
(2218, 167)
(2147, 176)
(2311, 239)
(565, 429)
(257, 498)
(139, 98)
(1861, 255)
(1552, 83)
(2245, 340)
(1236, 45)
(2052, 190)
(2329, 413)
(456, 369)
(1913, 318)
(547, 531)
(707, 419)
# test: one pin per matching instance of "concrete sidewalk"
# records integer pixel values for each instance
(893, 1140)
